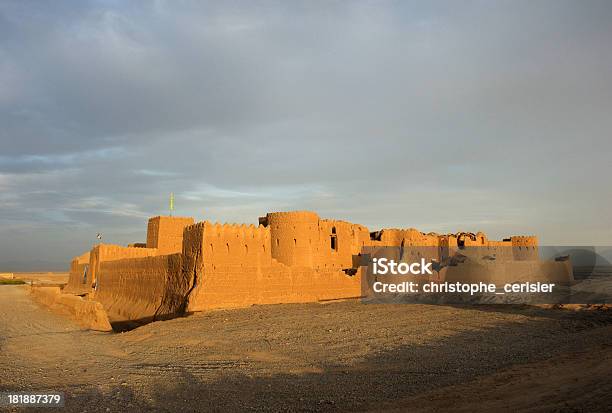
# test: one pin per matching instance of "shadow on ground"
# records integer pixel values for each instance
(383, 376)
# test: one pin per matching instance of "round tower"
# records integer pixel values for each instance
(293, 236)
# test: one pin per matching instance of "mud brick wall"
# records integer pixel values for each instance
(516, 271)
(75, 283)
(525, 248)
(302, 239)
(230, 287)
(232, 266)
(166, 233)
(107, 252)
(338, 242)
(142, 288)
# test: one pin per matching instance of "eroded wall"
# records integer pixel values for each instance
(77, 277)
(142, 289)
(87, 313)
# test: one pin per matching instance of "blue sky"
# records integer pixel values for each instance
(444, 116)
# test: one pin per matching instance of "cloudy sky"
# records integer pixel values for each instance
(444, 116)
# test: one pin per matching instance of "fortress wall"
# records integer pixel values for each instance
(166, 233)
(337, 242)
(408, 237)
(224, 262)
(500, 243)
(75, 283)
(144, 288)
(501, 251)
(193, 249)
(412, 244)
(482, 238)
(530, 241)
(138, 245)
(409, 245)
(233, 267)
(417, 245)
(294, 235)
(448, 246)
(221, 258)
(108, 252)
(234, 244)
(448, 241)
(478, 242)
(525, 248)
(300, 238)
(509, 272)
(514, 248)
(227, 286)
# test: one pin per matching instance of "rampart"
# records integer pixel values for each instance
(105, 252)
(142, 289)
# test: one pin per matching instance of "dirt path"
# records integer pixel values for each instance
(313, 357)
(39, 349)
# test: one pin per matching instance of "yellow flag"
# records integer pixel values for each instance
(171, 202)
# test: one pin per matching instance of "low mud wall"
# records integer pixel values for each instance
(87, 313)
(142, 289)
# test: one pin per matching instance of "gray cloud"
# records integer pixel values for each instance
(476, 115)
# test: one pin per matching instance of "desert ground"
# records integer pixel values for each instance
(336, 356)
(46, 278)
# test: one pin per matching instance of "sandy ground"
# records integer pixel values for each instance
(314, 357)
(53, 278)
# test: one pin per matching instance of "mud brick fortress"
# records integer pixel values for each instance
(290, 257)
